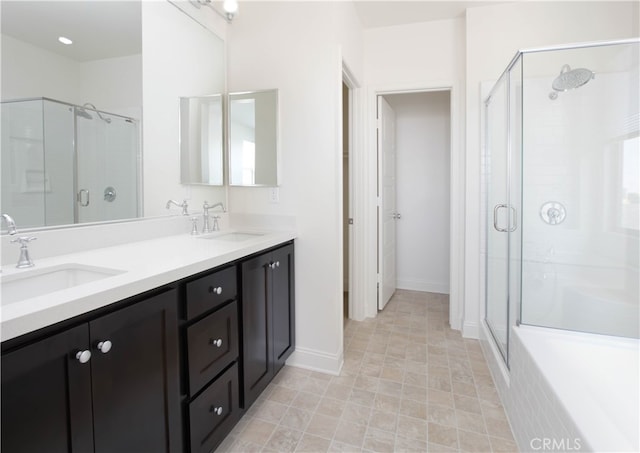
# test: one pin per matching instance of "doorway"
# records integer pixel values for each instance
(346, 199)
(414, 192)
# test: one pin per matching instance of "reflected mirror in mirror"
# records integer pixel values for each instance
(253, 138)
(70, 113)
(201, 143)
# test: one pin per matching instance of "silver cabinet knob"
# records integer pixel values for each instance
(83, 356)
(217, 290)
(216, 343)
(277, 263)
(104, 346)
(216, 410)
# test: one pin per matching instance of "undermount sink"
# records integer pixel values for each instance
(38, 282)
(236, 236)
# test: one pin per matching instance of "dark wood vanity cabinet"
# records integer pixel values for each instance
(268, 317)
(170, 370)
(108, 384)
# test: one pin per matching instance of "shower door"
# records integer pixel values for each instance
(107, 168)
(502, 169)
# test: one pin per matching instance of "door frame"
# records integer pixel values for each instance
(366, 203)
(355, 245)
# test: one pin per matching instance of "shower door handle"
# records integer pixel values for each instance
(83, 200)
(496, 208)
(513, 226)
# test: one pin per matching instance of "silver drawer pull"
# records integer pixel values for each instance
(216, 410)
(217, 343)
(217, 290)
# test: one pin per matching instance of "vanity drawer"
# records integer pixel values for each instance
(214, 413)
(212, 345)
(210, 291)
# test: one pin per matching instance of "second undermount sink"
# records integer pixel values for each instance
(40, 281)
(235, 236)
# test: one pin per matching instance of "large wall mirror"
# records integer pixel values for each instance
(253, 138)
(72, 114)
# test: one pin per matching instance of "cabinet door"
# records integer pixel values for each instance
(136, 395)
(46, 396)
(283, 305)
(256, 327)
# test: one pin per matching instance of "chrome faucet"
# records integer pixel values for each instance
(182, 205)
(11, 224)
(25, 259)
(205, 208)
(221, 204)
(205, 214)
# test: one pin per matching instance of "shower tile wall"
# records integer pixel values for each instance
(535, 413)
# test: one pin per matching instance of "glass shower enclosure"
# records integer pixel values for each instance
(561, 173)
(65, 164)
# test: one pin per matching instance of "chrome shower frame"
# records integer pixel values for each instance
(503, 82)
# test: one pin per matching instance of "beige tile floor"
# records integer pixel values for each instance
(409, 384)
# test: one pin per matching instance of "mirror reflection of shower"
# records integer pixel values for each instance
(569, 79)
(82, 112)
(60, 159)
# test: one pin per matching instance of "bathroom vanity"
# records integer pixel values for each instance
(170, 368)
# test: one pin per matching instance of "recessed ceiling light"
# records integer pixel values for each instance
(64, 40)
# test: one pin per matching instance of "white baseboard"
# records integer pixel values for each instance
(322, 362)
(470, 329)
(429, 287)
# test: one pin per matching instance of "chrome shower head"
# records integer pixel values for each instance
(568, 79)
(93, 107)
(83, 113)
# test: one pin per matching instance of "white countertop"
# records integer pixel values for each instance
(146, 265)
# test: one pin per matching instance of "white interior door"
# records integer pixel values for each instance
(387, 214)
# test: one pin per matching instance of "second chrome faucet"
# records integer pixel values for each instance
(206, 228)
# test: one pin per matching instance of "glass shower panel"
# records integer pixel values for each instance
(514, 183)
(24, 181)
(496, 165)
(107, 167)
(581, 189)
(58, 159)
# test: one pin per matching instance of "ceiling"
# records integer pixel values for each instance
(90, 24)
(99, 29)
(375, 14)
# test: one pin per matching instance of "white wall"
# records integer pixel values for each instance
(298, 47)
(423, 140)
(493, 35)
(35, 72)
(112, 84)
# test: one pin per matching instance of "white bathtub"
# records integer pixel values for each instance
(572, 391)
